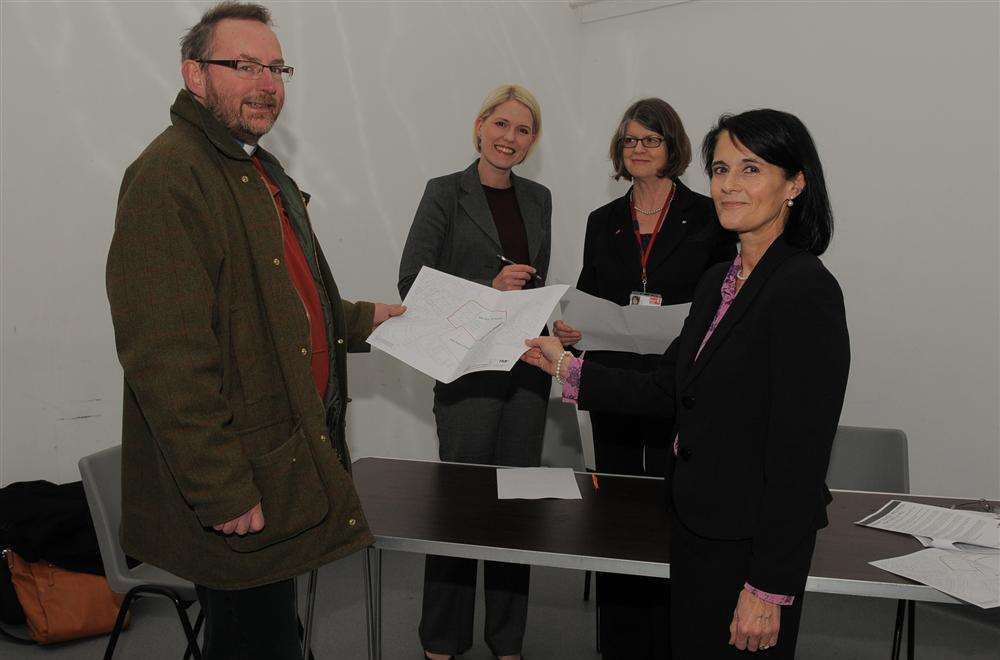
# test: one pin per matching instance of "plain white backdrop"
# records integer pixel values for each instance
(901, 97)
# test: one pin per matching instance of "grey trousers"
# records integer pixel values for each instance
(498, 419)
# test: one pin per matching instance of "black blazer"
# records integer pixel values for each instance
(756, 413)
(690, 241)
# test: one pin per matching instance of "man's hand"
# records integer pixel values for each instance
(251, 521)
(755, 623)
(384, 311)
(513, 277)
(544, 354)
(567, 334)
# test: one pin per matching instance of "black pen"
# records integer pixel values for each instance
(503, 259)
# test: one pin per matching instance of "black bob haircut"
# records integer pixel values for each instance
(781, 139)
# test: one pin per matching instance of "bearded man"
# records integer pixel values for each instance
(233, 340)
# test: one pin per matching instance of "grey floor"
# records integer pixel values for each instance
(560, 625)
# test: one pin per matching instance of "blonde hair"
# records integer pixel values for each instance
(501, 95)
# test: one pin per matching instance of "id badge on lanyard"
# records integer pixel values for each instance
(644, 299)
(636, 297)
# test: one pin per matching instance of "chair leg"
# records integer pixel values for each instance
(586, 586)
(119, 623)
(197, 629)
(179, 605)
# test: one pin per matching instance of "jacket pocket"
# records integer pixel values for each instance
(293, 497)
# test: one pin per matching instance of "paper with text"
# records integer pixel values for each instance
(453, 327)
(944, 526)
(970, 576)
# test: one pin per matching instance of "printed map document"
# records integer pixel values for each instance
(944, 527)
(453, 327)
(537, 484)
(633, 329)
(970, 576)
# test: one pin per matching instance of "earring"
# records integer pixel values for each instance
(789, 203)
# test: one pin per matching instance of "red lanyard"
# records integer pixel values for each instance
(644, 254)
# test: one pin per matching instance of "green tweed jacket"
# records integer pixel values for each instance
(220, 407)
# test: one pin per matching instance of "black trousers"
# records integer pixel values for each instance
(706, 577)
(260, 623)
(633, 609)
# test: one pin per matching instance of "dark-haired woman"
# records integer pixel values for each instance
(658, 238)
(757, 381)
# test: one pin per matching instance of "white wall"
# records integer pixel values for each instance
(902, 99)
(383, 98)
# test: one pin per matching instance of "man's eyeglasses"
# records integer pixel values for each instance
(650, 141)
(253, 70)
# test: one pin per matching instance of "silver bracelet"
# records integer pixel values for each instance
(559, 364)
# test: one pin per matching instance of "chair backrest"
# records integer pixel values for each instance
(102, 483)
(869, 459)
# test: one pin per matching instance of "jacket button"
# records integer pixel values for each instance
(340, 341)
(352, 522)
(688, 402)
(322, 437)
(277, 261)
(686, 453)
(304, 350)
(245, 179)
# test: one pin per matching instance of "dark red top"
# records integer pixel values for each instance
(298, 271)
(509, 223)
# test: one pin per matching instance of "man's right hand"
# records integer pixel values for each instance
(251, 521)
(513, 277)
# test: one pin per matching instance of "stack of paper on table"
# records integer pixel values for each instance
(962, 558)
(632, 329)
(453, 326)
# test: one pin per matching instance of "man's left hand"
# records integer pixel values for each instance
(755, 623)
(384, 311)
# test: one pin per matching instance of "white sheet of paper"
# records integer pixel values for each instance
(537, 484)
(609, 327)
(943, 526)
(453, 327)
(970, 576)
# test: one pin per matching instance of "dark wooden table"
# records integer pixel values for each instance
(622, 527)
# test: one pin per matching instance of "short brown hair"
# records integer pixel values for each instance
(197, 43)
(656, 115)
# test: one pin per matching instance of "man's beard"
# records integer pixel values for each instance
(229, 111)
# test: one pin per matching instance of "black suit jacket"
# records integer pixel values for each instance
(690, 241)
(756, 413)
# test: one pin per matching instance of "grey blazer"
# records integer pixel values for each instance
(453, 229)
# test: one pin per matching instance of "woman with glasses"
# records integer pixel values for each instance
(756, 382)
(487, 225)
(652, 244)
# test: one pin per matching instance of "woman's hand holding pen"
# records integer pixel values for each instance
(544, 354)
(513, 277)
(566, 333)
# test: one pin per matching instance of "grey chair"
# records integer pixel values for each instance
(102, 475)
(875, 459)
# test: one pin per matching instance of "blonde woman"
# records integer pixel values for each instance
(490, 226)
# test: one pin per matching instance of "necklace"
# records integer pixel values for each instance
(670, 196)
(650, 211)
(741, 277)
